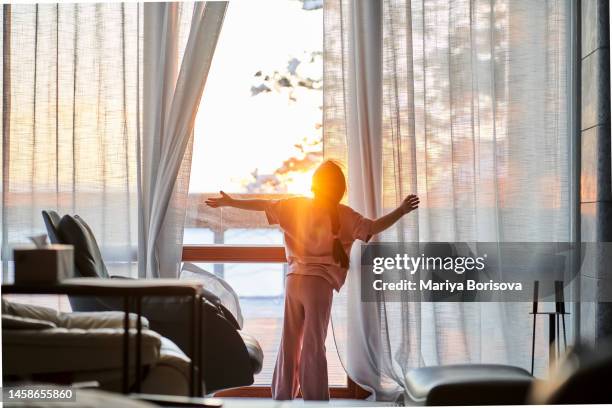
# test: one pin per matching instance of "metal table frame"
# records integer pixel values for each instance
(134, 289)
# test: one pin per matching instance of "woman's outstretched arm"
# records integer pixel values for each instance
(409, 204)
(227, 201)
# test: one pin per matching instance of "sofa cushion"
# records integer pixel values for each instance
(171, 373)
(70, 350)
(31, 312)
(74, 320)
(24, 323)
(500, 380)
(99, 320)
(87, 256)
(170, 354)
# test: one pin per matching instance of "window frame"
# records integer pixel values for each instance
(256, 254)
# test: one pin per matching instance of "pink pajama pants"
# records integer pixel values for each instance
(301, 360)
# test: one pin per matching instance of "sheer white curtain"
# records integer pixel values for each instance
(174, 76)
(98, 106)
(70, 123)
(465, 103)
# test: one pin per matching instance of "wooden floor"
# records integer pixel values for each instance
(266, 402)
(268, 332)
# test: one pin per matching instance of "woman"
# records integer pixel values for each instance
(318, 233)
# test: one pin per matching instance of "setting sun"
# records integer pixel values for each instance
(300, 183)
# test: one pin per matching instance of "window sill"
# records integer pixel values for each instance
(234, 253)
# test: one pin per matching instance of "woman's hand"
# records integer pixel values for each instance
(410, 203)
(223, 201)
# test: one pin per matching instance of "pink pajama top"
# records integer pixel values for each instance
(309, 238)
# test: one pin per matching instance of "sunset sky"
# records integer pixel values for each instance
(235, 132)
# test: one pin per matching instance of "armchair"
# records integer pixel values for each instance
(42, 344)
(231, 356)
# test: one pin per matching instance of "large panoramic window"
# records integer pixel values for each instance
(258, 129)
(258, 134)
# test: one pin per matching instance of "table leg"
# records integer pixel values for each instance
(200, 348)
(564, 335)
(126, 345)
(558, 337)
(192, 342)
(551, 340)
(533, 339)
(138, 342)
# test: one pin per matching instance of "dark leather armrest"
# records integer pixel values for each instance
(511, 392)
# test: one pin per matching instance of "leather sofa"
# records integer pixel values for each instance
(41, 344)
(231, 357)
(582, 376)
(468, 384)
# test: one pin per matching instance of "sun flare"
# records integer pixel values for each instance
(300, 183)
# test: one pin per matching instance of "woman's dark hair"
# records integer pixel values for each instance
(329, 185)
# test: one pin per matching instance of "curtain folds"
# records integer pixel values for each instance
(464, 102)
(177, 58)
(99, 102)
(70, 124)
